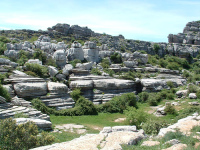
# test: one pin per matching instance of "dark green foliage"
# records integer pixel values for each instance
(4, 93)
(169, 109)
(50, 62)
(186, 74)
(128, 76)
(23, 136)
(119, 103)
(156, 47)
(192, 88)
(85, 107)
(40, 70)
(136, 117)
(163, 63)
(198, 94)
(95, 71)
(170, 96)
(153, 60)
(2, 77)
(109, 71)
(76, 94)
(39, 105)
(143, 97)
(153, 126)
(3, 41)
(170, 84)
(105, 63)
(74, 62)
(152, 101)
(31, 73)
(116, 58)
(38, 54)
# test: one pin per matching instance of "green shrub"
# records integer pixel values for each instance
(20, 115)
(152, 101)
(76, 94)
(192, 88)
(116, 58)
(153, 60)
(74, 62)
(156, 47)
(169, 109)
(153, 126)
(85, 107)
(4, 93)
(163, 63)
(40, 70)
(31, 73)
(38, 54)
(143, 97)
(2, 77)
(136, 117)
(109, 71)
(39, 105)
(186, 74)
(119, 103)
(3, 47)
(170, 84)
(128, 76)
(198, 94)
(95, 71)
(23, 136)
(105, 63)
(170, 96)
(50, 62)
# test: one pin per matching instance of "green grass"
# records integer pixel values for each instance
(64, 136)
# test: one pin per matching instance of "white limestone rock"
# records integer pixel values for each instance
(84, 66)
(43, 124)
(181, 93)
(83, 84)
(60, 57)
(30, 89)
(57, 88)
(192, 96)
(52, 71)
(34, 61)
(67, 69)
(130, 64)
(2, 100)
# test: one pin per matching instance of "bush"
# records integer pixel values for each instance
(128, 76)
(192, 88)
(50, 62)
(152, 101)
(170, 96)
(136, 117)
(4, 93)
(74, 62)
(109, 71)
(153, 126)
(23, 136)
(143, 97)
(105, 63)
(85, 107)
(76, 94)
(38, 54)
(20, 115)
(116, 58)
(40, 70)
(169, 109)
(3, 47)
(39, 105)
(170, 84)
(156, 47)
(119, 103)
(163, 63)
(95, 71)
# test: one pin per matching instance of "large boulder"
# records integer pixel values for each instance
(60, 57)
(42, 124)
(153, 85)
(91, 53)
(4, 61)
(53, 71)
(67, 69)
(83, 84)
(142, 58)
(75, 52)
(34, 61)
(57, 88)
(30, 89)
(84, 66)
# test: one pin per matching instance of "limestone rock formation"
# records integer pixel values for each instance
(30, 89)
(75, 52)
(60, 57)
(42, 124)
(91, 52)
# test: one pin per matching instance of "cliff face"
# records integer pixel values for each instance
(190, 35)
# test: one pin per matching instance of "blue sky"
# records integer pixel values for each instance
(148, 20)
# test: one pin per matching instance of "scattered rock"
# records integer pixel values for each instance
(150, 143)
(192, 96)
(181, 93)
(179, 146)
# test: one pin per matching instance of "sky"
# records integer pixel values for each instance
(146, 20)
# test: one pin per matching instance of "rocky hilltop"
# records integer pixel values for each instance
(71, 70)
